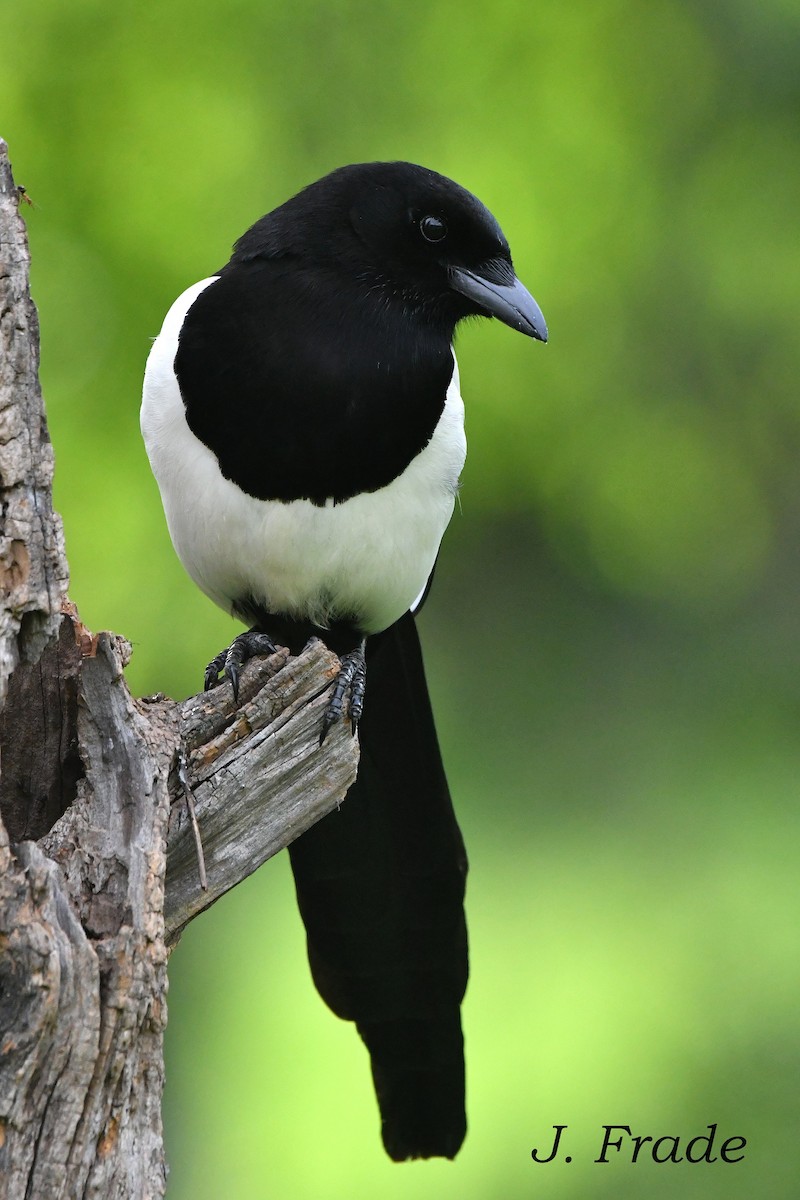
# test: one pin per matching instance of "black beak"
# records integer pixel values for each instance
(497, 292)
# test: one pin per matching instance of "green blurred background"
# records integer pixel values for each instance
(612, 643)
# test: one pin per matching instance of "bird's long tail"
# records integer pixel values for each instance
(380, 885)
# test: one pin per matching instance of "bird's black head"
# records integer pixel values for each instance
(409, 236)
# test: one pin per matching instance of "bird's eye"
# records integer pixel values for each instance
(433, 229)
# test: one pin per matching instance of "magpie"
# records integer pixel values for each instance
(303, 420)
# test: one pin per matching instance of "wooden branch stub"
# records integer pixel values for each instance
(258, 773)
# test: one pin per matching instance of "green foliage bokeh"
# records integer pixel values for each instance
(612, 642)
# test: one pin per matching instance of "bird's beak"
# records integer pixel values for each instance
(498, 293)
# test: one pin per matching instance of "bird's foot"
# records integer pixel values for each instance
(352, 678)
(231, 660)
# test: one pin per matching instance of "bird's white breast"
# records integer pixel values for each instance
(368, 557)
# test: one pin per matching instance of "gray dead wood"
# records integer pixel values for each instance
(33, 565)
(98, 864)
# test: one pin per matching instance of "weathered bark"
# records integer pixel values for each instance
(33, 565)
(98, 862)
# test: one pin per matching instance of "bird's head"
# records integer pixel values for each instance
(408, 235)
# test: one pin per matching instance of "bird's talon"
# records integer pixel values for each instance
(211, 677)
(230, 661)
(323, 733)
(232, 673)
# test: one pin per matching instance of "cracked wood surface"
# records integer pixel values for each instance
(33, 564)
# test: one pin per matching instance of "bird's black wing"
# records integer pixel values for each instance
(380, 885)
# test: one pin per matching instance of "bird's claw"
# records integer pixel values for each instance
(231, 660)
(352, 678)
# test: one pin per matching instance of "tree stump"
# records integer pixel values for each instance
(99, 869)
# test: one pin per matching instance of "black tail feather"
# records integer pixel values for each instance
(380, 885)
